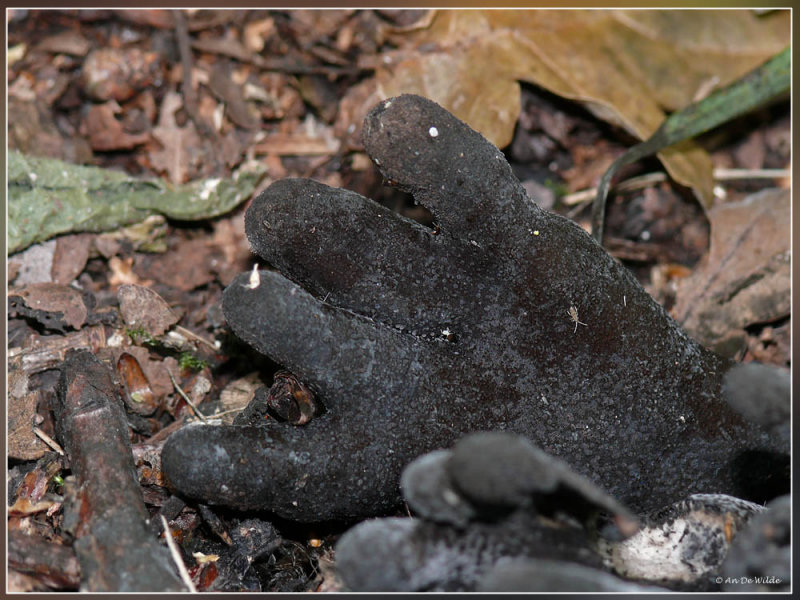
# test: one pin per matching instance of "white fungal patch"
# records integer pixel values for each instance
(255, 279)
(209, 185)
(690, 541)
(450, 497)
(433, 132)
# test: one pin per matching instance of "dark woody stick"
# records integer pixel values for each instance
(115, 548)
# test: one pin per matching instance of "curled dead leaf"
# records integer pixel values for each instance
(54, 306)
(625, 67)
(745, 277)
(139, 396)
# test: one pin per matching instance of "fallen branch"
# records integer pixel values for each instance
(115, 548)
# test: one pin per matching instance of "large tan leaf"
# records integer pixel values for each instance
(626, 67)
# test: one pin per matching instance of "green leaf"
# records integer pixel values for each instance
(48, 197)
(762, 85)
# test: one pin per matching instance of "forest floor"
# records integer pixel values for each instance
(201, 95)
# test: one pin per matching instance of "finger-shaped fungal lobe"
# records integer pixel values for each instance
(356, 254)
(450, 168)
(311, 473)
(339, 353)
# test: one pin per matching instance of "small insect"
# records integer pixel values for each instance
(573, 314)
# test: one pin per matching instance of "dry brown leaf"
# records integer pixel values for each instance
(31, 129)
(176, 156)
(23, 444)
(238, 394)
(355, 105)
(230, 239)
(185, 266)
(159, 18)
(69, 259)
(141, 307)
(122, 272)
(306, 139)
(67, 42)
(53, 304)
(106, 133)
(224, 88)
(625, 66)
(257, 32)
(118, 73)
(745, 277)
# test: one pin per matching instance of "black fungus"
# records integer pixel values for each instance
(467, 530)
(762, 394)
(412, 555)
(760, 558)
(411, 340)
(519, 575)
(428, 490)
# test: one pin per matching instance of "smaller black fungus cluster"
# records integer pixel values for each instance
(495, 513)
(493, 502)
(760, 558)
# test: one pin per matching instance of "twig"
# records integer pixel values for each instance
(185, 51)
(48, 440)
(732, 174)
(176, 556)
(91, 426)
(194, 336)
(642, 181)
(185, 397)
(227, 412)
(189, 95)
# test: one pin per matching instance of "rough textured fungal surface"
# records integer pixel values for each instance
(488, 475)
(520, 575)
(473, 518)
(762, 394)
(412, 555)
(411, 339)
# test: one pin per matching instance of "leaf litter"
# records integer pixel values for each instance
(306, 79)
